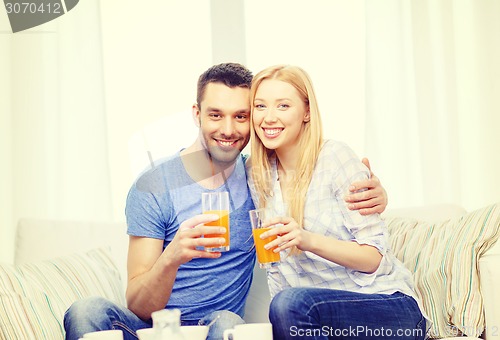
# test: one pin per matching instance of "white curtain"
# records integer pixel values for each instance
(412, 84)
(433, 100)
(54, 160)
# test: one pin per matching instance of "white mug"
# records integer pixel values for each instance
(114, 334)
(248, 331)
(189, 333)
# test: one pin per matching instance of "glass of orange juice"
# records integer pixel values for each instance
(267, 258)
(217, 203)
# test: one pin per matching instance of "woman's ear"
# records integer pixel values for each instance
(307, 116)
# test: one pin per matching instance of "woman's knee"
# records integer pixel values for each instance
(285, 302)
(290, 297)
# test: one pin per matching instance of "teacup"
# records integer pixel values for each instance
(189, 332)
(114, 334)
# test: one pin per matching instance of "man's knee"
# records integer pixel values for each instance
(222, 320)
(88, 308)
(87, 315)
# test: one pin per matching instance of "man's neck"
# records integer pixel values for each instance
(203, 169)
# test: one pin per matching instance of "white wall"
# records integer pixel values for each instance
(53, 122)
(6, 195)
(327, 39)
(414, 86)
(477, 42)
(153, 54)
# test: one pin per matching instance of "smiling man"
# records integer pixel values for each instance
(167, 266)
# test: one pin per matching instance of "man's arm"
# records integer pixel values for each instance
(152, 270)
(372, 200)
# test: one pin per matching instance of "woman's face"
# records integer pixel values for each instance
(278, 114)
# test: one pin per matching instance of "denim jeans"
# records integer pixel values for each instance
(97, 314)
(316, 313)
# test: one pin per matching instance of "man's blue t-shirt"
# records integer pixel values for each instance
(160, 200)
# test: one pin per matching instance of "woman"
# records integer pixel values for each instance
(337, 277)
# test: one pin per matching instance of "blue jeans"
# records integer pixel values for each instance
(97, 314)
(315, 313)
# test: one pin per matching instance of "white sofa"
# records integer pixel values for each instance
(39, 240)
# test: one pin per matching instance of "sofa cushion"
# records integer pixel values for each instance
(64, 237)
(443, 257)
(34, 296)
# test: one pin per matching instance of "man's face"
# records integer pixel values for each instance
(224, 117)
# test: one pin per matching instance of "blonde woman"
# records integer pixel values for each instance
(338, 277)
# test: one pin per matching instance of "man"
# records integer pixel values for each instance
(167, 266)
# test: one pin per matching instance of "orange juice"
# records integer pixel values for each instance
(264, 256)
(223, 221)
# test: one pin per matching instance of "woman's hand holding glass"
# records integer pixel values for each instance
(289, 234)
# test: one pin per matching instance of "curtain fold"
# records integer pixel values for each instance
(392, 136)
(421, 77)
(6, 191)
(58, 144)
(431, 110)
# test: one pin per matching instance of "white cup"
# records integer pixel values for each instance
(250, 331)
(145, 334)
(195, 332)
(115, 334)
(189, 332)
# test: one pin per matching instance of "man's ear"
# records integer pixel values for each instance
(195, 110)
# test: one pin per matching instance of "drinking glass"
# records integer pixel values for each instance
(217, 203)
(267, 258)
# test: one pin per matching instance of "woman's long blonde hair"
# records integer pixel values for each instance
(309, 145)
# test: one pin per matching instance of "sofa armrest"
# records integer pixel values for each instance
(429, 213)
(445, 257)
(489, 272)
